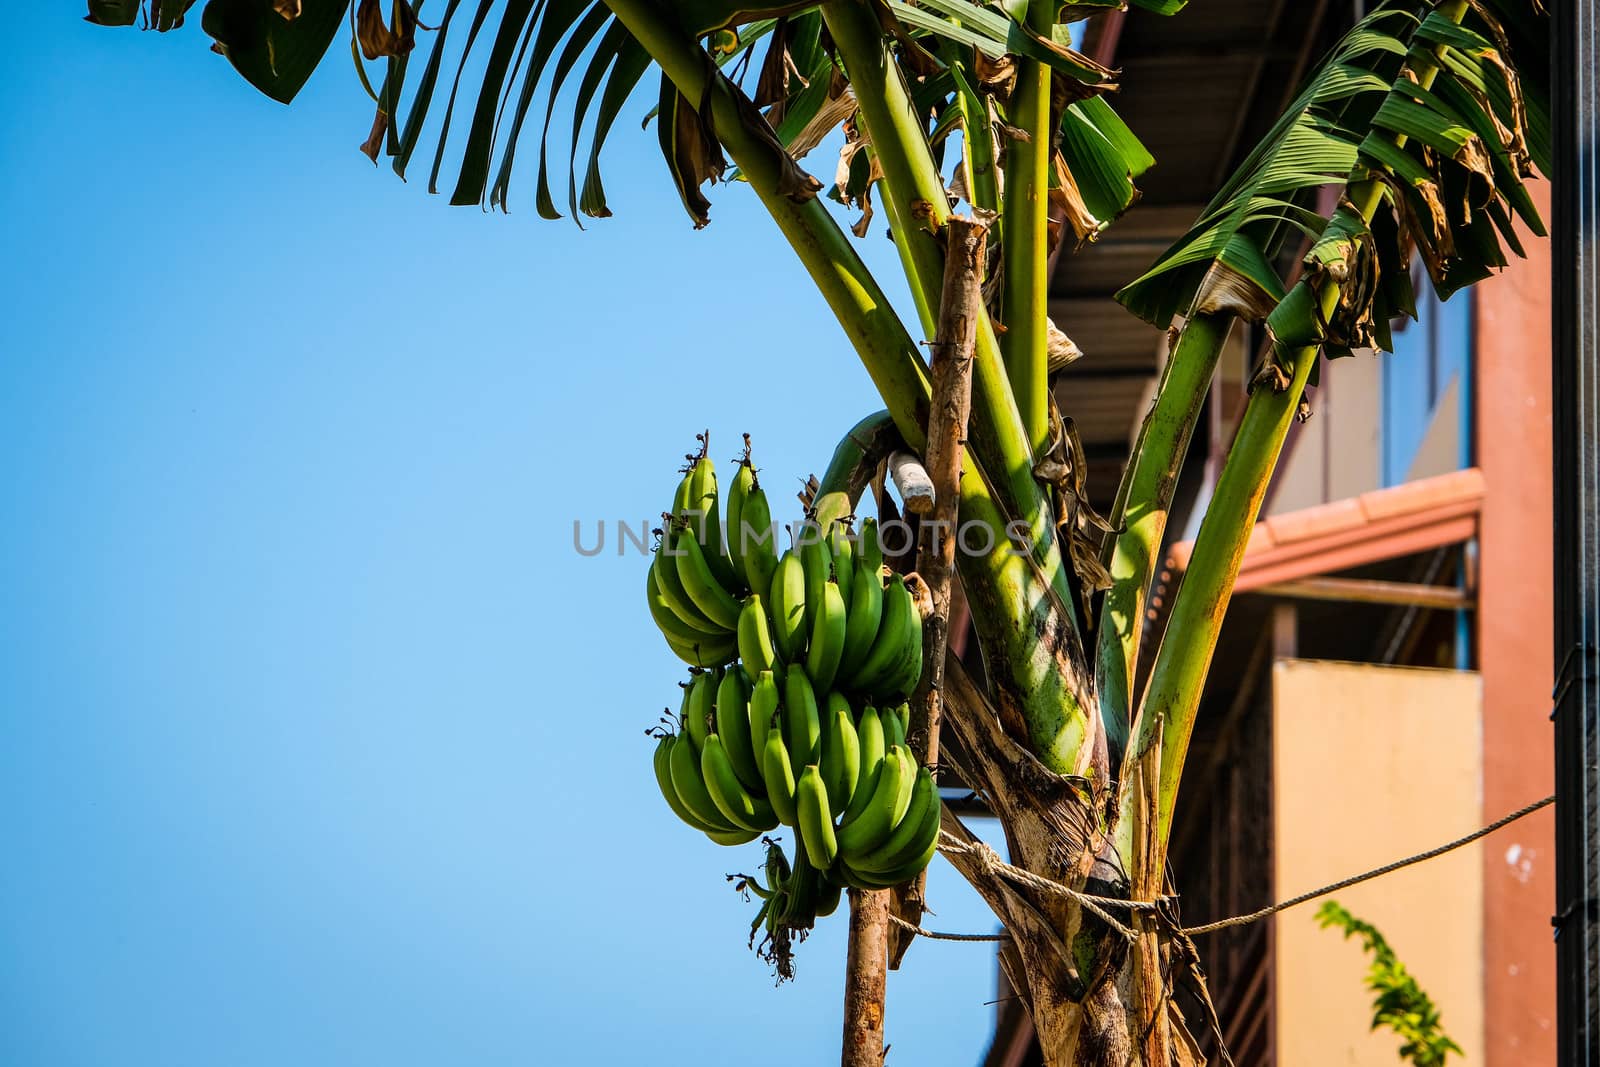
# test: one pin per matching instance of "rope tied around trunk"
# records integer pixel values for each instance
(989, 862)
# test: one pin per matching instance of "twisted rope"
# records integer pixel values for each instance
(989, 862)
(936, 935)
(1243, 920)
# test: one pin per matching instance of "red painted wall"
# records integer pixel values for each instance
(1512, 430)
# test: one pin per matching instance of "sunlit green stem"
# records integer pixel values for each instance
(914, 197)
(1023, 607)
(1014, 606)
(1026, 251)
(857, 301)
(1172, 698)
(1143, 501)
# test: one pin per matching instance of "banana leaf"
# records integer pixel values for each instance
(114, 12)
(1454, 177)
(1103, 156)
(274, 54)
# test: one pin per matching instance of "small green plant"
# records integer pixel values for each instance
(1398, 1002)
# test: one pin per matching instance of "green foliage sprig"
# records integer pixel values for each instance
(1398, 1002)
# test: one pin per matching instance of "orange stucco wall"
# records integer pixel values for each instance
(1514, 642)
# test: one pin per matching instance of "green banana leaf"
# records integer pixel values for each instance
(996, 35)
(1454, 184)
(1103, 156)
(274, 54)
(114, 12)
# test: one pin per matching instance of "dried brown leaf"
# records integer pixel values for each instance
(1225, 289)
(1067, 200)
(378, 37)
(374, 142)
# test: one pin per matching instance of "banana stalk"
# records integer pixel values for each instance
(1171, 700)
(915, 199)
(1026, 249)
(854, 296)
(1140, 513)
(1023, 606)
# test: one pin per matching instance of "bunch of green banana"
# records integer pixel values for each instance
(794, 713)
(823, 604)
(696, 773)
(696, 580)
(751, 754)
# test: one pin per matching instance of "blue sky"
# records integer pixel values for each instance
(319, 743)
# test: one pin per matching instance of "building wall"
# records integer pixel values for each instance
(1371, 764)
(1440, 451)
(1512, 444)
(1337, 454)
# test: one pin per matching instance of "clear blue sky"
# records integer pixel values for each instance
(319, 744)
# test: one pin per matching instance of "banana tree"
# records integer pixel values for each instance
(1419, 128)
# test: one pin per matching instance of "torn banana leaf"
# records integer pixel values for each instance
(996, 35)
(1103, 155)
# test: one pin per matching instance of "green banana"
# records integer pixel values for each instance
(843, 550)
(816, 560)
(893, 640)
(738, 493)
(670, 625)
(733, 726)
(828, 893)
(758, 538)
(841, 752)
(705, 519)
(779, 777)
(869, 738)
(707, 655)
(869, 546)
(754, 636)
(703, 587)
(884, 811)
(861, 621)
(787, 603)
(722, 782)
(691, 788)
(890, 879)
(733, 837)
(669, 793)
(765, 697)
(816, 823)
(670, 587)
(699, 706)
(827, 636)
(802, 721)
(902, 681)
(895, 724)
(680, 495)
(911, 835)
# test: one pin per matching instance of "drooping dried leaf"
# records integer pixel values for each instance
(836, 110)
(692, 153)
(379, 37)
(374, 142)
(1060, 350)
(1067, 201)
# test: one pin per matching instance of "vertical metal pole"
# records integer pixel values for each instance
(1576, 419)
